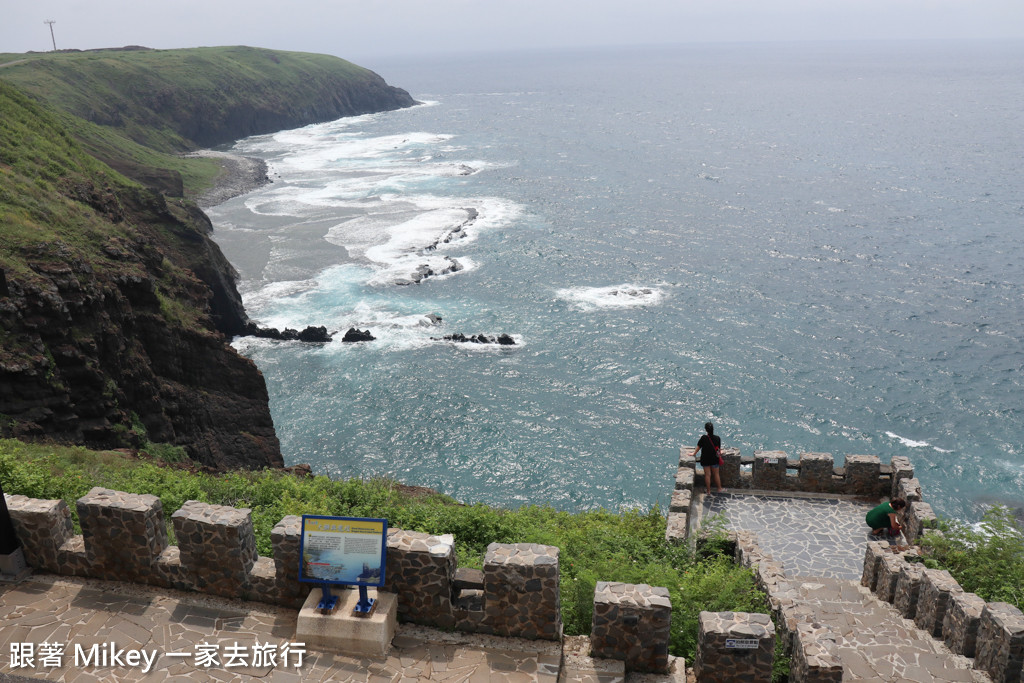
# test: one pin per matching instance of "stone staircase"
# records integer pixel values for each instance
(872, 640)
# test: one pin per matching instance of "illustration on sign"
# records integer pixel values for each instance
(344, 550)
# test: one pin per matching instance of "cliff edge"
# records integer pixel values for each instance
(116, 307)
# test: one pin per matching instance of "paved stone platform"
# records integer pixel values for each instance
(811, 535)
(874, 642)
(82, 613)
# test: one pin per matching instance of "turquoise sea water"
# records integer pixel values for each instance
(819, 248)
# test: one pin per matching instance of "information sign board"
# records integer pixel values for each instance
(344, 550)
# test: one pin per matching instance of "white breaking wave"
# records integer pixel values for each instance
(615, 296)
(910, 443)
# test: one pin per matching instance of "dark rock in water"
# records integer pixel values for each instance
(310, 334)
(355, 335)
(502, 339)
(432, 319)
(314, 334)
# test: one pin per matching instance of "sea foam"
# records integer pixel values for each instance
(615, 296)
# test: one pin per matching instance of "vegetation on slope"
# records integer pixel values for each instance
(596, 545)
(134, 109)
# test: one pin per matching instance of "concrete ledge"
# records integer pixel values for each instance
(343, 633)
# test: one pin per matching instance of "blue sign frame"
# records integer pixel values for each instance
(349, 551)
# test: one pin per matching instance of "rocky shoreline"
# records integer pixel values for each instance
(239, 175)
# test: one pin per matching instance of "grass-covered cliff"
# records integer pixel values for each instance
(115, 304)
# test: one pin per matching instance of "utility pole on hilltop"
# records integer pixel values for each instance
(51, 22)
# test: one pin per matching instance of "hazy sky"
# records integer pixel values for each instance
(367, 29)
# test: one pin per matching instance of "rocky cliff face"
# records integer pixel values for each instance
(132, 348)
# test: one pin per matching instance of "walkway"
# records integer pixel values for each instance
(249, 642)
(810, 535)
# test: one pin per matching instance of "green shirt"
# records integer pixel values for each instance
(878, 518)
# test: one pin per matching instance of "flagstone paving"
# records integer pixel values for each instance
(810, 536)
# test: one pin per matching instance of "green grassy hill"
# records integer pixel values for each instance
(114, 301)
(136, 109)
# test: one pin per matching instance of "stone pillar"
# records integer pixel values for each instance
(815, 656)
(769, 470)
(960, 626)
(872, 560)
(731, 471)
(909, 490)
(631, 623)
(1001, 643)
(734, 646)
(217, 547)
(678, 523)
(421, 570)
(888, 576)
(286, 539)
(908, 587)
(863, 474)
(521, 594)
(124, 534)
(901, 469)
(816, 471)
(43, 527)
(937, 587)
(919, 517)
(684, 479)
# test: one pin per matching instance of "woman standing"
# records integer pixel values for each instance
(709, 446)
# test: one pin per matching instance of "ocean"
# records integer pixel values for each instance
(817, 247)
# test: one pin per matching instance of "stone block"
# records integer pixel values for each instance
(521, 592)
(909, 490)
(74, 559)
(286, 540)
(888, 576)
(769, 472)
(960, 625)
(686, 458)
(816, 471)
(815, 656)
(684, 478)
(872, 559)
(918, 517)
(217, 547)
(681, 500)
(421, 572)
(344, 633)
(863, 475)
(901, 469)
(124, 533)
(1000, 651)
(631, 623)
(734, 646)
(908, 587)
(731, 469)
(678, 527)
(937, 588)
(169, 571)
(43, 527)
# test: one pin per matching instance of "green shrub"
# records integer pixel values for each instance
(987, 560)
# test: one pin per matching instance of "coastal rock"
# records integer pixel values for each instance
(311, 334)
(357, 335)
(458, 337)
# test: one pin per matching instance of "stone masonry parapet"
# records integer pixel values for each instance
(815, 656)
(421, 570)
(1000, 651)
(919, 517)
(908, 588)
(217, 546)
(768, 472)
(43, 527)
(816, 472)
(632, 623)
(901, 469)
(123, 533)
(862, 474)
(937, 587)
(734, 646)
(909, 490)
(522, 592)
(960, 626)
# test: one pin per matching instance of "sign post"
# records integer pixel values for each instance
(343, 550)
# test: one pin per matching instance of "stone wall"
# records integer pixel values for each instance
(991, 633)
(862, 475)
(124, 538)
